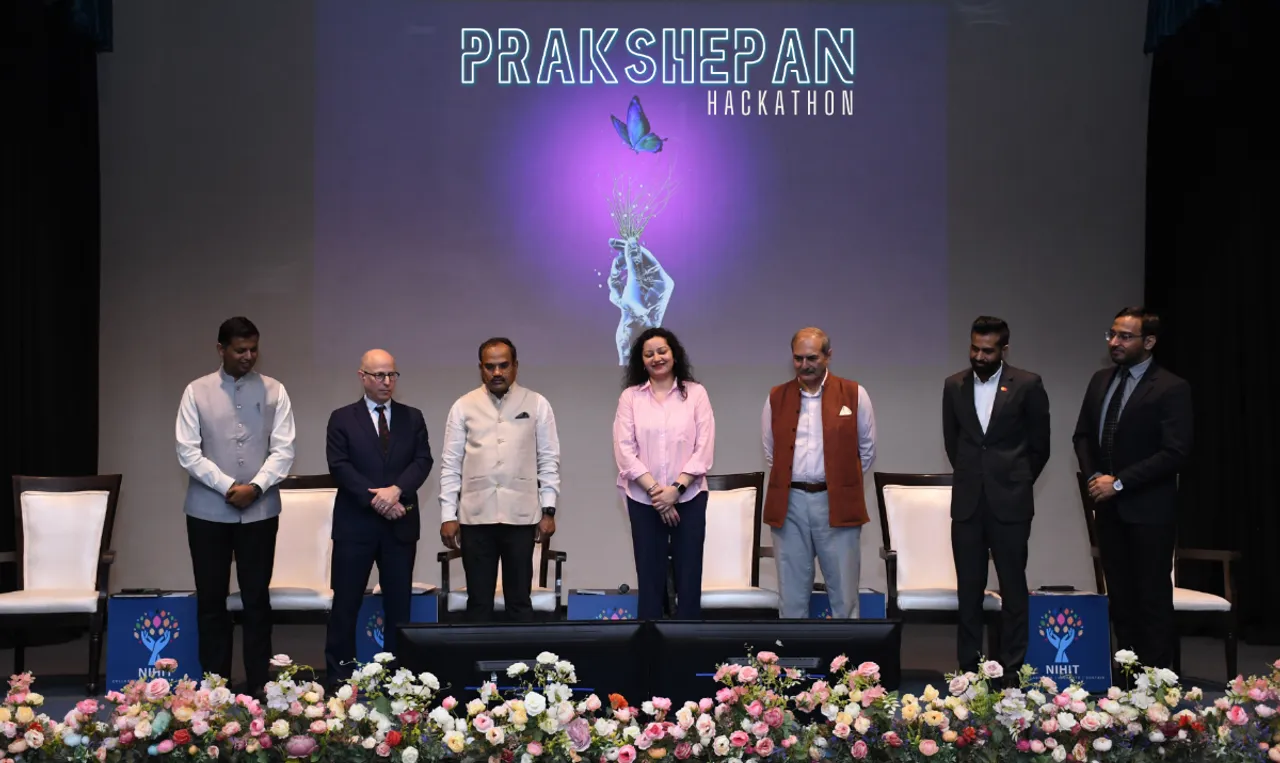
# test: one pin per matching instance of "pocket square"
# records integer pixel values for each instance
(522, 415)
(844, 411)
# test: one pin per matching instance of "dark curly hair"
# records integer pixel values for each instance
(681, 368)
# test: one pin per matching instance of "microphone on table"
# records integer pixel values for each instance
(622, 589)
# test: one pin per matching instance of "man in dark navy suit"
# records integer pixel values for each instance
(995, 425)
(1132, 439)
(379, 456)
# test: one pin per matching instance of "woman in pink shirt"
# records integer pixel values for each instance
(663, 440)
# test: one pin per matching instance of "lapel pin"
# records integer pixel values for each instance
(1004, 389)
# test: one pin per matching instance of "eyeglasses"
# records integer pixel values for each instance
(382, 377)
(1123, 336)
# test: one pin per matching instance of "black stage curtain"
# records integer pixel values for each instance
(1212, 200)
(49, 229)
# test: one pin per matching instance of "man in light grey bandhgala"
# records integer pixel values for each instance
(235, 438)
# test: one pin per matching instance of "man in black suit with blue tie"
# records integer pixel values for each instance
(1132, 439)
(995, 425)
(379, 455)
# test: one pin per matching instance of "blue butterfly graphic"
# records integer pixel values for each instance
(635, 133)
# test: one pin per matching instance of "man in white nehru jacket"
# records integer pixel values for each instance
(499, 481)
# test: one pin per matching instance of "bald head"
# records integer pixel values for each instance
(813, 333)
(378, 375)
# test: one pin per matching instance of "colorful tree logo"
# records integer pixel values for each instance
(615, 613)
(155, 631)
(1061, 630)
(374, 629)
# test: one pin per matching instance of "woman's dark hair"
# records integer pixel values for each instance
(680, 367)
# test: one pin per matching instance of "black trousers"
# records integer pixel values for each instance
(1137, 560)
(253, 545)
(483, 546)
(971, 540)
(353, 560)
(652, 542)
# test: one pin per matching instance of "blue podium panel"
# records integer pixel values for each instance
(1070, 639)
(144, 628)
(371, 622)
(871, 605)
(607, 606)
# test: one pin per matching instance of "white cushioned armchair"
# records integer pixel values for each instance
(732, 552)
(63, 558)
(545, 594)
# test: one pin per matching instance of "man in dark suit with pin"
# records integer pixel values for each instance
(379, 455)
(1132, 438)
(995, 425)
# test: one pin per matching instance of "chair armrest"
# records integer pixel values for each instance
(107, 559)
(885, 553)
(1208, 555)
(8, 557)
(559, 556)
(444, 557)
(890, 558)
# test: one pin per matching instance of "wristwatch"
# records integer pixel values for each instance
(679, 488)
(1118, 485)
(548, 511)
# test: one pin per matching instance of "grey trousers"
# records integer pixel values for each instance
(806, 533)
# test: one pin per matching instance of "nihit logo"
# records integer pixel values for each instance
(1061, 629)
(615, 613)
(155, 631)
(375, 627)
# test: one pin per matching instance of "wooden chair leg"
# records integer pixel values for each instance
(96, 629)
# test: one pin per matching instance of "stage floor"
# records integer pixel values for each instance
(924, 660)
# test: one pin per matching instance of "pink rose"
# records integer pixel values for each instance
(593, 703)
(126, 738)
(212, 752)
(167, 664)
(115, 698)
(774, 717)
(483, 723)
(764, 747)
(295, 708)
(760, 729)
(655, 731)
(748, 674)
(1037, 746)
(231, 729)
(534, 749)
(87, 706)
(410, 717)
(871, 695)
(869, 670)
(1257, 695)
(767, 658)
(838, 663)
(891, 738)
(626, 754)
(1090, 723)
(449, 703)
(739, 738)
(705, 704)
(928, 748)
(265, 741)
(1023, 745)
(726, 696)
(858, 750)
(959, 685)
(661, 703)
(1050, 726)
(165, 747)
(755, 709)
(158, 688)
(1237, 716)
(300, 746)
(257, 727)
(200, 728)
(683, 751)
(383, 750)
(1062, 700)
(318, 727)
(786, 743)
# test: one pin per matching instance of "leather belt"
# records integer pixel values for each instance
(810, 487)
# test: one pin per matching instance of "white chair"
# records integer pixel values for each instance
(545, 595)
(915, 522)
(63, 536)
(1193, 610)
(732, 551)
(300, 591)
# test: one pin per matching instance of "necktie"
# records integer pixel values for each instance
(384, 432)
(1112, 419)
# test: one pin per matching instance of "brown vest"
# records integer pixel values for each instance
(843, 465)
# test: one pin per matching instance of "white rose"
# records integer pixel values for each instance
(409, 755)
(371, 670)
(631, 732)
(564, 667)
(495, 735)
(1126, 657)
(357, 712)
(535, 703)
(861, 724)
(1059, 754)
(383, 657)
(431, 682)
(720, 746)
(516, 669)
(344, 692)
(548, 658)
(369, 743)
(280, 729)
(1166, 677)
(475, 707)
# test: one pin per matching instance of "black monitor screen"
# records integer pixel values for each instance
(686, 654)
(608, 656)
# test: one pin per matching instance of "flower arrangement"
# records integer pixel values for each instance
(762, 713)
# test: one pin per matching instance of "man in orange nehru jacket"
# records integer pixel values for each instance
(819, 439)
